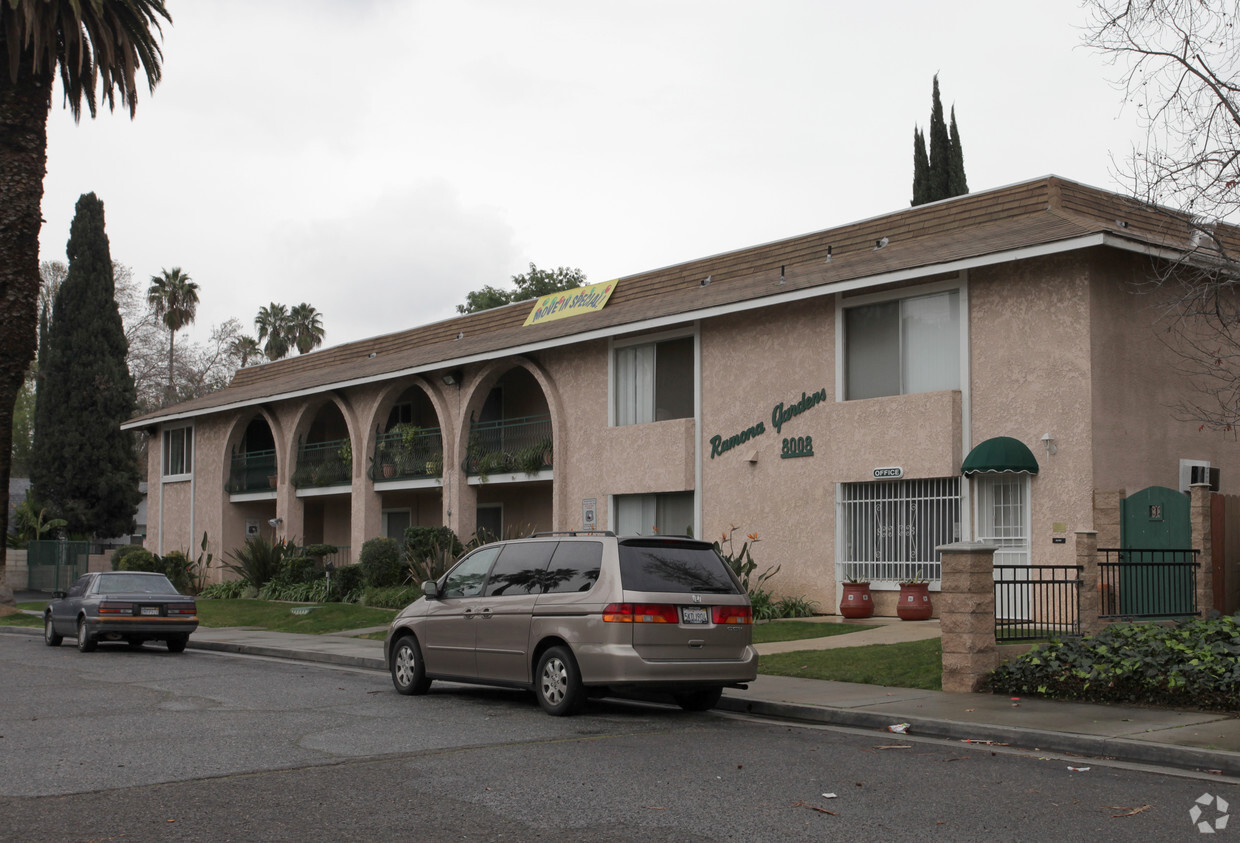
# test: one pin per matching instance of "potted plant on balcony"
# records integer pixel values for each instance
(856, 601)
(915, 603)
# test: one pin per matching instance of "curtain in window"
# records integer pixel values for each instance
(635, 384)
(930, 342)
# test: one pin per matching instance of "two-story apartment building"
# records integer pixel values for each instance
(823, 391)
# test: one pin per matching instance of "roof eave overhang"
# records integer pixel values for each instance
(895, 277)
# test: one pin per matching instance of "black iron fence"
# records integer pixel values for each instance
(1148, 583)
(509, 445)
(251, 471)
(1034, 602)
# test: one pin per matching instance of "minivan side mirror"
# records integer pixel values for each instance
(430, 590)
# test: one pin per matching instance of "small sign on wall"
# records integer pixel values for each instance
(589, 514)
(893, 472)
(251, 528)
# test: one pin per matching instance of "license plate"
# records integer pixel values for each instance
(150, 610)
(691, 615)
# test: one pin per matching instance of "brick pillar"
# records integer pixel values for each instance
(1091, 598)
(1200, 517)
(967, 615)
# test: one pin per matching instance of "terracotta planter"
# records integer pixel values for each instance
(915, 602)
(272, 479)
(389, 469)
(856, 602)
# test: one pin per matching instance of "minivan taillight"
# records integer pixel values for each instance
(732, 614)
(640, 613)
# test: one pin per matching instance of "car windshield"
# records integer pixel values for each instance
(134, 584)
(684, 567)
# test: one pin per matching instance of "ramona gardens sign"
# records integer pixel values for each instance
(781, 414)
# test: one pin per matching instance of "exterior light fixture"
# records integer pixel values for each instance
(452, 378)
(1049, 442)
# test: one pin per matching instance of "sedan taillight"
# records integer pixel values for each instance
(114, 608)
(183, 609)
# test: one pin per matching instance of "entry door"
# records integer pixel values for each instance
(1003, 519)
(1155, 530)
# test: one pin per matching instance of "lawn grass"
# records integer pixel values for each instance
(278, 617)
(916, 664)
(765, 633)
(21, 619)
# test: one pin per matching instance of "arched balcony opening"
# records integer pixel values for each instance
(325, 455)
(510, 435)
(252, 465)
(409, 445)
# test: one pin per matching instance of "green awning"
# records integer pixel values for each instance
(1000, 455)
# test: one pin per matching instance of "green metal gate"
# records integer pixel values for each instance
(1157, 571)
(54, 565)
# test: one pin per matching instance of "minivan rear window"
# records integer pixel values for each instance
(678, 567)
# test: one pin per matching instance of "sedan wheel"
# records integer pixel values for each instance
(85, 641)
(50, 636)
(559, 688)
(408, 672)
(176, 644)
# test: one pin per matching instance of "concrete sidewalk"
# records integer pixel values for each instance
(1189, 740)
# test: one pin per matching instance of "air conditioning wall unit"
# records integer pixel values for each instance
(1198, 471)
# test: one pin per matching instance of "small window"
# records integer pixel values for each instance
(901, 347)
(520, 569)
(574, 567)
(667, 514)
(654, 381)
(178, 452)
(465, 580)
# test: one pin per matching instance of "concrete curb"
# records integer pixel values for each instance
(1119, 749)
(289, 655)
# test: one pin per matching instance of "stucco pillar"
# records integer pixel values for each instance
(1200, 517)
(366, 513)
(1091, 598)
(967, 615)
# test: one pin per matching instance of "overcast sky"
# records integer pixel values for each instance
(381, 158)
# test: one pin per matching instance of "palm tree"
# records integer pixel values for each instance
(97, 46)
(246, 348)
(306, 325)
(174, 298)
(272, 323)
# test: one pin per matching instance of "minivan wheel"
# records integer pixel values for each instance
(85, 641)
(559, 688)
(408, 671)
(51, 637)
(698, 700)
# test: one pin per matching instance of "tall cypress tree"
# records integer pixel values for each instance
(939, 175)
(921, 169)
(84, 465)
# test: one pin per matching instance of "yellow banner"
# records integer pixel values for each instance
(570, 303)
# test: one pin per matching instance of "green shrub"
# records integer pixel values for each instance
(743, 565)
(178, 568)
(318, 551)
(795, 607)
(380, 563)
(119, 555)
(347, 583)
(300, 569)
(1194, 663)
(138, 559)
(317, 591)
(259, 560)
(396, 597)
(230, 590)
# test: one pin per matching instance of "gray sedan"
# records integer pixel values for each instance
(129, 606)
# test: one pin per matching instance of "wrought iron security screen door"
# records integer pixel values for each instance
(1003, 520)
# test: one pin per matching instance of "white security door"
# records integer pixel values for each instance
(1003, 519)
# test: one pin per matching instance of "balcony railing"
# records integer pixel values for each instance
(1145, 583)
(1034, 602)
(251, 471)
(509, 445)
(324, 464)
(405, 453)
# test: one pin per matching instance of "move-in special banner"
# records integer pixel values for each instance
(570, 303)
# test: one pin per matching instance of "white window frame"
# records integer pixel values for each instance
(650, 504)
(844, 303)
(165, 443)
(651, 340)
(1013, 549)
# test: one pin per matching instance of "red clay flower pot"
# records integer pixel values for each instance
(856, 602)
(915, 602)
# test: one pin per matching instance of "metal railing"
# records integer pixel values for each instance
(520, 444)
(1148, 583)
(324, 464)
(402, 454)
(1034, 602)
(251, 471)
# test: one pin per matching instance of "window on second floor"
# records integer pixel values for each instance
(902, 346)
(178, 456)
(654, 381)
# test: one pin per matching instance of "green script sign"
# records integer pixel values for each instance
(781, 414)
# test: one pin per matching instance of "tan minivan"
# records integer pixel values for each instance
(572, 615)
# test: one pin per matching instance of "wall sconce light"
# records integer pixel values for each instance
(828, 260)
(706, 281)
(452, 378)
(275, 522)
(781, 275)
(1049, 442)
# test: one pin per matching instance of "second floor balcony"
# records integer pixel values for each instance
(251, 471)
(407, 452)
(506, 446)
(324, 464)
